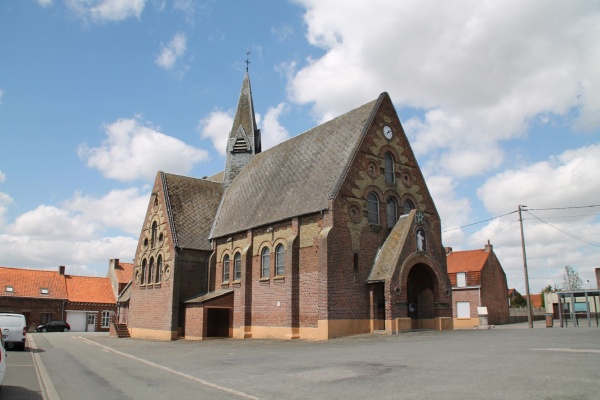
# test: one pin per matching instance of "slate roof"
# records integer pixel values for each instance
(192, 205)
(124, 272)
(296, 177)
(28, 282)
(89, 289)
(467, 261)
(391, 250)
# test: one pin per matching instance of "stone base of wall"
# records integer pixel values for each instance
(466, 323)
(140, 333)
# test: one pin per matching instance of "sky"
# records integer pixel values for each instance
(500, 101)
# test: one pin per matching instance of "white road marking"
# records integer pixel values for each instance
(567, 350)
(150, 363)
(46, 386)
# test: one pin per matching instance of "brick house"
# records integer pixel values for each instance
(86, 303)
(330, 233)
(478, 280)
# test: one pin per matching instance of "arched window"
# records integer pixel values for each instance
(159, 266)
(237, 267)
(407, 206)
(151, 270)
(391, 211)
(279, 258)
(265, 263)
(226, 268)
(373, 208)
(153, 236)
(144, 270)
(390, 176)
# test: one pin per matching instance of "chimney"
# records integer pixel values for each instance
(61, 270)
(488, 247)
(114, 263)
(448, 250)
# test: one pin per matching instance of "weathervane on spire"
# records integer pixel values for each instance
(247, 61)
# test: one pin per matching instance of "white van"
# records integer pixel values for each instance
(14, 328)
(2, 359)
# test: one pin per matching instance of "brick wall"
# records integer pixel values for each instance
(494, 290)
(32, 309)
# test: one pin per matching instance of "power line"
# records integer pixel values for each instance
(564, 232)
(480, 222)
(561, 208)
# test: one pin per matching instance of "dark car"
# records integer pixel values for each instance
(54, 326)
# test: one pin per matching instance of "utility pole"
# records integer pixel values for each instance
(528, 298)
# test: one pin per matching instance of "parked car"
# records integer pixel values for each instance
(2, 356)
(14, 327)
(54, 326)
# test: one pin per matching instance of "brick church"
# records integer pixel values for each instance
(330, 233)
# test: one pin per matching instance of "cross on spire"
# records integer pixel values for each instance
(247, 61)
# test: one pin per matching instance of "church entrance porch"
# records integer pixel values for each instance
(420, 297)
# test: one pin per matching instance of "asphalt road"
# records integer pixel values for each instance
(493, 364)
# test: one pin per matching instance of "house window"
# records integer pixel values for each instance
(391, 211)
(373, 208)
(106, 319)
(463, 309)
(461, 279)
(279, 260)
(265, 258)
(44, 291)
(46, 317)
(9, 289)
(153, 237)
(388, 159)
(237, 267)
(407, 207)
(143, 281)
(159, 266)
(151, 270)
(226, 268)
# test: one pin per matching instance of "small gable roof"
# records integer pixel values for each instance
(124, 272)
(390, 252)
(29, 282)
(467, 261)
(191, 205)
(296, 177)
(89, 289)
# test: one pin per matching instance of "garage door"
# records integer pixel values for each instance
(76, 320)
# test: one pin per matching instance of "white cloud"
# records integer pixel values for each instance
(282, 32)
(133, 150)
(106, 10)
(567, 180)
(172, 52)
(545, 184)
(1, 94)
(2, 177)
(272, 133)
(217, 127)
(45, 3)
(74, 232)
(480, 71)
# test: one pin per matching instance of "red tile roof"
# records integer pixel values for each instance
(536, 300)
(124, 272)
(29, 282)
(89, 289)
(466, 261)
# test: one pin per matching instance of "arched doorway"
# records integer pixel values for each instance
(420, 296)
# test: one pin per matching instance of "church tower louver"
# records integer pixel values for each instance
(244, 138)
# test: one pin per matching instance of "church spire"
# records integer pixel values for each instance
(244, 137)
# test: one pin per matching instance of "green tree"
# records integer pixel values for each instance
(547, 289)
(571, 279)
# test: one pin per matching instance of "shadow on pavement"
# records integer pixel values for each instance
(18, 393)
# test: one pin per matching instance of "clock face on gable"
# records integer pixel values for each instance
(387, 132)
